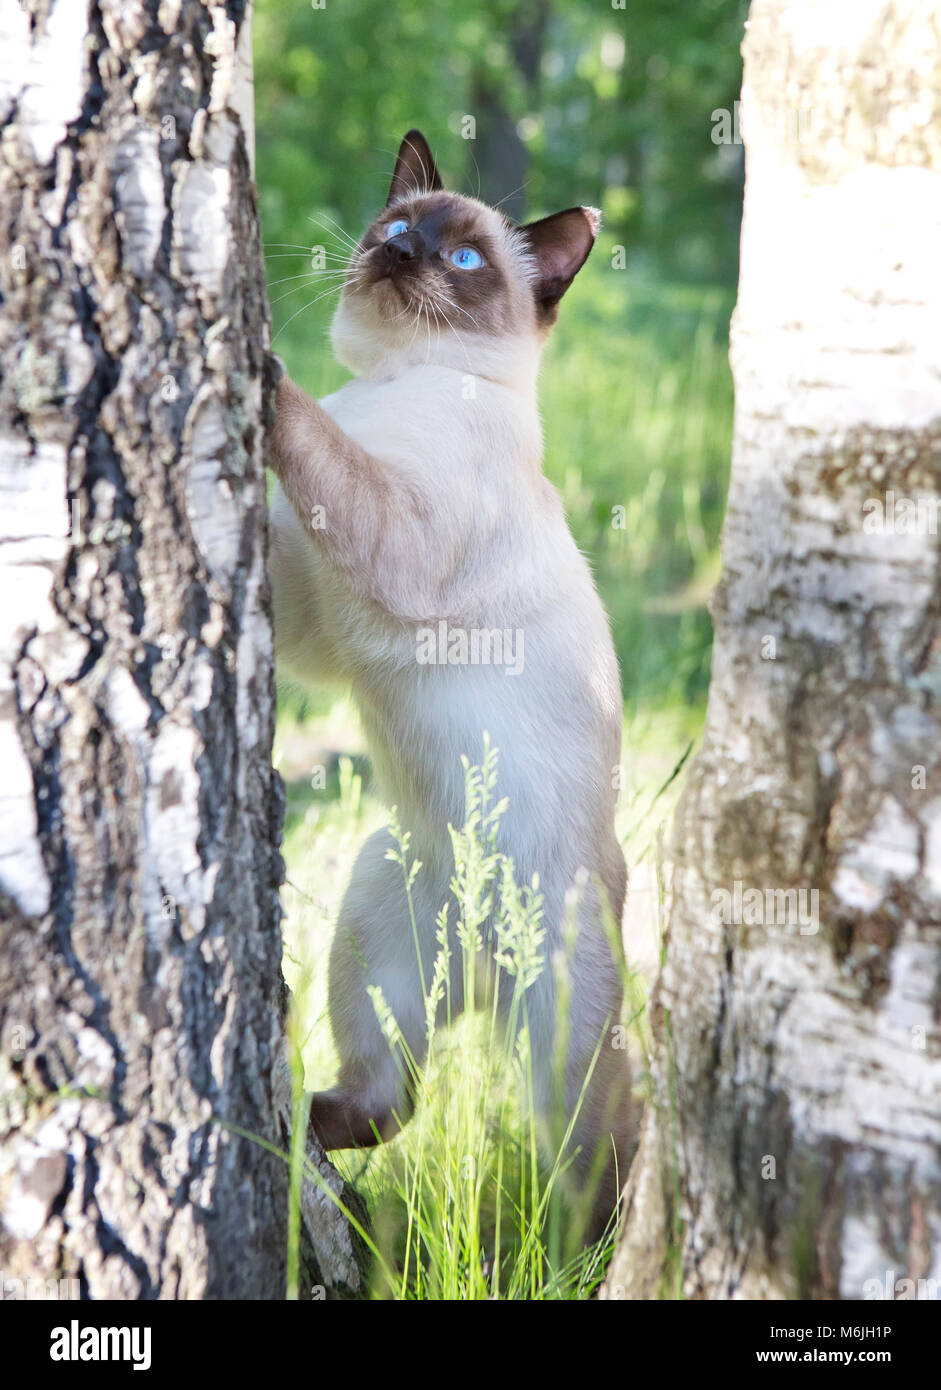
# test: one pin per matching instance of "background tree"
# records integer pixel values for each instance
(141, 1002)
(573, 102)
(795, 1144)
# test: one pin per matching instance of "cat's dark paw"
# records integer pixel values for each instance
(279, 434)
(295, 414)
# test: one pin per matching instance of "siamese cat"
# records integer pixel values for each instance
(412, 506)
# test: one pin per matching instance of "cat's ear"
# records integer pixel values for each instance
(415, 170)
(560, 244)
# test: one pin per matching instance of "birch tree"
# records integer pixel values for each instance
(793, 1147)
(141, 1000)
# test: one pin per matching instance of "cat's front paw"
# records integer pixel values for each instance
(292, 425)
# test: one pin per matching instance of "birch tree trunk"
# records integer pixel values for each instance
(797, 1114)
(141, 1001)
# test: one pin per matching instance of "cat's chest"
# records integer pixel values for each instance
(437, 425)
(466, 450)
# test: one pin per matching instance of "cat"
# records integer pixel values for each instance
(411, 506)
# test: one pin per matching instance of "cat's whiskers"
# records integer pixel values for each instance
(294, 245)
(296, 255)
(342, 230)
(415, 332)
(518, 189)
(455, 332)
(428, 331)
(336, 274)
(341, 235)
(477, 167)
(309, 254)
(429, 303)
(354, 278)
(304, 275)
(421, 311)
(333, 289)
(406, 308)
(431, 306)
(308, 286)
(293, 290)
(454, 305)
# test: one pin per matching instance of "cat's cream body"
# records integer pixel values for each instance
(435, 509)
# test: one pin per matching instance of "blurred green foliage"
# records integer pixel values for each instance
(571, 102)
(608, 106)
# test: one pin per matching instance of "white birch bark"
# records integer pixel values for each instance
(141, 1000)
(798, 1071)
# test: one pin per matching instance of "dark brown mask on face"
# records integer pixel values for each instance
(465, 264)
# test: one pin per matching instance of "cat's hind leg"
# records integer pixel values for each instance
(375, 948)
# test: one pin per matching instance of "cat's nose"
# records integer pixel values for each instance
(407, 246)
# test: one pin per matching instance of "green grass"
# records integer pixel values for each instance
(637, 406)
(470, 1201)
(466, 1180)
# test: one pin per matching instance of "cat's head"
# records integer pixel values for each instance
(442, 278)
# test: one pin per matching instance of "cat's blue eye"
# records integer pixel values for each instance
(466, 258)
(396, 228)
